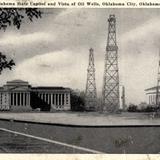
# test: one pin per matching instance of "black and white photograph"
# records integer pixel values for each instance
(80, 80)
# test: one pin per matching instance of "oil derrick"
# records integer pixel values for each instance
(110, 94)
(91, 93)
(158, 83)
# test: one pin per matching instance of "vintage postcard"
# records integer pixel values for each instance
(80, 79)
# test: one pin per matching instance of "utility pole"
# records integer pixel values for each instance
(110, 93)
(91, 93)
(123, 98)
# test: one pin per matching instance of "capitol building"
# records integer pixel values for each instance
(18, 94)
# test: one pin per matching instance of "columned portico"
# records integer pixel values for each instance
(151, 95)
(19, 99)
(57, 101)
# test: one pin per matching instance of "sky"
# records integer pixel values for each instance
(54, 50)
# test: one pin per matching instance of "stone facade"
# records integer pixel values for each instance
(18, 94)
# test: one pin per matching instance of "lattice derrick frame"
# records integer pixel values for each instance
(91, 93)
(158, 83)
(111, 75)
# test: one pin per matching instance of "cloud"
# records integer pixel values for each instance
(17, 39)
(148, 34)
(77, 28)
(56, 68)
(22, 46)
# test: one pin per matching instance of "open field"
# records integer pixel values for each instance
(69, 132)
(16, 142)
(12, 141)
(84, 118)
(20, 137)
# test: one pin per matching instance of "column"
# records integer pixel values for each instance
(20, 102)
(41, 96)
(10, 98)
(58, 99)
(61, 99)
(13, 97)
(45, 97)
(46, 100)
(24, 99)
(11, 94)
(16, 99)
(55, 103)
(51, 99)
(29, 99)
(154, 99)
(64, 99)
(149, 99)
(69, 99)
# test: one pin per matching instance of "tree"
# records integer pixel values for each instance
(132, 108)
(4, 63)
(77, 101)
(14, 17)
